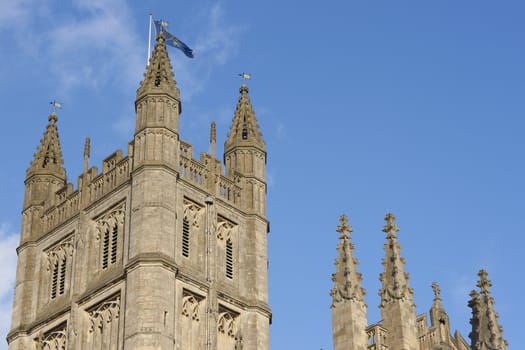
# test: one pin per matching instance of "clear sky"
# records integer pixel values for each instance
(414, 107)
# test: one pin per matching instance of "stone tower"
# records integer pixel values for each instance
(400, 328)
(159, 250)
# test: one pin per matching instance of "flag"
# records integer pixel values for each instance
(56, 104)
(172, 39)
(245, 76)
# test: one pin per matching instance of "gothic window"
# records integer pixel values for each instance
(226, 234)
(190, 221)
(229, 259)
(104, 324)
(53, 340)
(110, 230)
(244, 134)
(59, 260)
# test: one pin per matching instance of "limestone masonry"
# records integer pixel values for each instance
(160, 250)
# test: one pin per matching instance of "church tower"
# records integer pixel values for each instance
(158, 250)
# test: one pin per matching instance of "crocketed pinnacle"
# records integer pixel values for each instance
(347, 280)
(244, 130)
(159, 77)
(487, 334)
(48, 157)
(394, 279)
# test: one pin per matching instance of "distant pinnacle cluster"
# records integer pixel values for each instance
(400, 327)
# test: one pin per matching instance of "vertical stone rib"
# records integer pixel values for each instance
(397, 298)
(487, 334)
(349, 309)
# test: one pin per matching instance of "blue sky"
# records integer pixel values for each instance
(414, 107)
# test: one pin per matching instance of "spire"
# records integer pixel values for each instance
(349, 309)
(397, 298)
(159, 77)
(347, 280)
(48, 157)
(244, 130)
(394, 278)
(487, 334)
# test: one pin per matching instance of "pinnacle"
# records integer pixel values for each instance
(48, 158)
(159, 77)
(486, 330)
(244, 130)
(347, 280)
(394, 278)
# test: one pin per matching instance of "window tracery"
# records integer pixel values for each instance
(109, 233)
(59, 267)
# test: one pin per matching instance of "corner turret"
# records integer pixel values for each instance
(245, 154)
(158, 97)
(44, 177)
(158, 108)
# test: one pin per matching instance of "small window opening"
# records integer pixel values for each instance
(105, 251)
(114, 242)
(244, 134)
(185, 238)
(62, 287)
(229, 259)
(54, 281)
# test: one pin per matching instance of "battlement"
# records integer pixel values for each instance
(116, 171)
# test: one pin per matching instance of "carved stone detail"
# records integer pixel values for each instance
(104, 314)
(225, 229)
(192, 213)
(191, 306)
(54, 340)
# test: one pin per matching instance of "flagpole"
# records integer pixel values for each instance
(149, 39)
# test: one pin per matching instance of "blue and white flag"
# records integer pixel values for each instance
(172, 39)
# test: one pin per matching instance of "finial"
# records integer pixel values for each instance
(87, 152)
(344, 228)
(213, 132)
(213, 140)
(244, 89)
(390, 228)
(437, 290)
(484, 284)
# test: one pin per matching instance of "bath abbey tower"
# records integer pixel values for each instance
(162, 250)
(158, 250)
